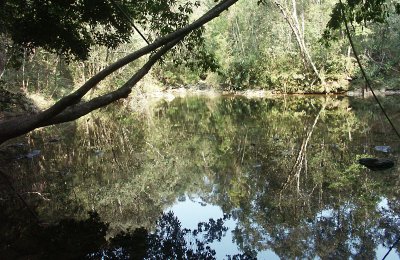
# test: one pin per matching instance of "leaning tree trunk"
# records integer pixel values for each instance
(72, 107)
(298, 31)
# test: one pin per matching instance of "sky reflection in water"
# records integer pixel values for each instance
(283, 170)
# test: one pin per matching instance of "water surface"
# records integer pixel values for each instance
(222, 177)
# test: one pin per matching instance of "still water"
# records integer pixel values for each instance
(206, 178)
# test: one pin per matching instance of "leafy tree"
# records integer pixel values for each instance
(72, 27)
(73, 105)
(374, 30)
(360, 12)
(276, 46)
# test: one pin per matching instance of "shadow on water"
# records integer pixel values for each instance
(282, 172)
(85, 239)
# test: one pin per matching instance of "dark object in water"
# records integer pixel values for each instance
(376, 164)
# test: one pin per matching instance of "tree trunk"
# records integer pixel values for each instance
(71, 107)
(298, 31)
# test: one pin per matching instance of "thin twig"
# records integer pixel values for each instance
(373, 93)
(155, 149)
(363, 71)
(37, 193)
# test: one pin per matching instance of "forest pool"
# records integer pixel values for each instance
(197, 177)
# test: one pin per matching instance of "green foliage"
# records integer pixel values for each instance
(51, 76)
(240, 154)
(255, 48)
(374, 31)
(360, 12)
(187, 62)
(72, 28)
(251, 47)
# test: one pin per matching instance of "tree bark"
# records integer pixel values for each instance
(70, 107)
(298, 31)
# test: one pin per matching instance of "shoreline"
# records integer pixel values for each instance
(16, 103)
(170, 94)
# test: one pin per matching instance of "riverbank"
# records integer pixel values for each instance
(14, 104)
(170, 94)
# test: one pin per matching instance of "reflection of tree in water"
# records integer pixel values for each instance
(275, 165)
(330, 210)
(85, 239)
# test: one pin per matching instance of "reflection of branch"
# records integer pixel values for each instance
(244, 147)
(390, 249)
(204, 159)
(115, 159)
(155, 149)
(37, 193)
(301, 157)
(7, 180)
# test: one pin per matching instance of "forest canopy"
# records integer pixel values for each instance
(71, 28)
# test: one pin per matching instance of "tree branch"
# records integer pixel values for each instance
(81, 109)
(22, 125)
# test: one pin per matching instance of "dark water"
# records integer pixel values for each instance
(204, 178)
